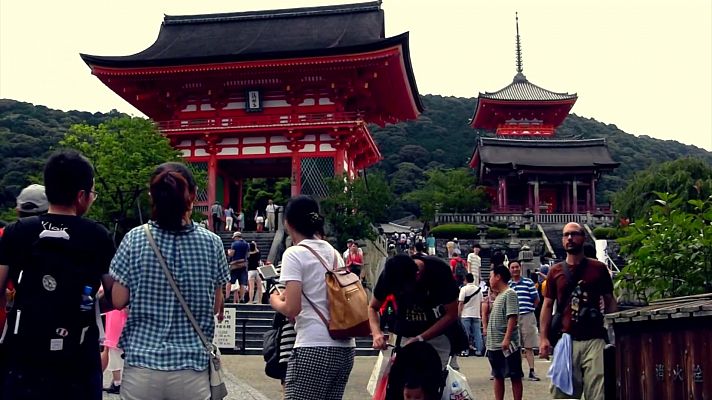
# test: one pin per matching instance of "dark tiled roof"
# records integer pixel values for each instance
(591, 153)
(271, 34)
(522, 89)
(667, 309)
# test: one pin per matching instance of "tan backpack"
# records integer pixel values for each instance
(347, 300)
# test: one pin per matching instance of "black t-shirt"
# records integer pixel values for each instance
(419, 302)
(93, 239)
(253, 261)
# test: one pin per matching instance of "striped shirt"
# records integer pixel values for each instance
(504, 306)
(527, 294)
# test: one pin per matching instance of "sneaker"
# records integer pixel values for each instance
(113, 389)
(464, 353)
(533, 377)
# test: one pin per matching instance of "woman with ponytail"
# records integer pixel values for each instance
(164, 357)
(319, 366)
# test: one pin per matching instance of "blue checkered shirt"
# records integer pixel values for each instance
(157, 334)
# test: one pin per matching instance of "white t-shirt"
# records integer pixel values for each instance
(299, 264)
(471, 309)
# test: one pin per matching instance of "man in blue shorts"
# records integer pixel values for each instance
(238, 266)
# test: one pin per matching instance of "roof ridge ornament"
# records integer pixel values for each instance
(519, 77)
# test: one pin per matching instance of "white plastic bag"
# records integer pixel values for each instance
(456, 387)
(378, 370)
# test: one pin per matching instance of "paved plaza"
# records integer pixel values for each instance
(247, 381)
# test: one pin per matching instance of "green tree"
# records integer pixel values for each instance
(452, 190)
(688, 178)
(352, 207)
(124, 151)
(669, 253)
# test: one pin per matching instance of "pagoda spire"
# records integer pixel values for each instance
(520, 75)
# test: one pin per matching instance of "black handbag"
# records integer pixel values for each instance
(271, 342)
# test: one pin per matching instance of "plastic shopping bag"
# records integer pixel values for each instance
(376, 373)
(456, 387)
(382, 386)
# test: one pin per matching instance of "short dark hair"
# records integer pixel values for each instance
(503, 272)
(514, 261)
(66, 173)
(469, 277)
(172, 189)
(302, 214)
(419, 246)
(476, 246)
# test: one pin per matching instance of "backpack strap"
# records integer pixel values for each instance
(323, 264)
(468, 298)
(571, 282)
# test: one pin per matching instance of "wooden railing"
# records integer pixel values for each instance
(258, 120)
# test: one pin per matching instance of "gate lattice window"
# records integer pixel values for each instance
(315, 172)
(202, 195)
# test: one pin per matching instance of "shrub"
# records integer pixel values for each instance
(449, 231)
(497, 233)
(529, 233)
(605, 233)
(501, 225)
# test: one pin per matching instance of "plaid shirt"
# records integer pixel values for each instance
(157, 334)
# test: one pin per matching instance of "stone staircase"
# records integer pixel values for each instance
(253, 320)
(263, 240)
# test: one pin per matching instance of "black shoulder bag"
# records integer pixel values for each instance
(557, 320)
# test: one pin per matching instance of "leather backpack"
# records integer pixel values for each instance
(347, 300)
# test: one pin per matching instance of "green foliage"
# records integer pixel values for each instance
(28, 133)
(497, 233)
(528, 233)
(258, 191)
(670, 253)
(449, 191)
(352, 207)
(605, 233)
(449, 231)
(124, 151)
(689, 178)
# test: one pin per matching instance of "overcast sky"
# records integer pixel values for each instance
(643, 65)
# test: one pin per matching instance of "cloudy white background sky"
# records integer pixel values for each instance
(643, 65)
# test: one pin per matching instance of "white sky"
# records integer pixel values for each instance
(644, 65)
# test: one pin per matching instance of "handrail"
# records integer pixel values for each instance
(609, 261)
(546, 241)
(252, 120)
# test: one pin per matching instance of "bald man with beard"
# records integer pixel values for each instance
(588, 281)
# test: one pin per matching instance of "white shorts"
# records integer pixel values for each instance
(253, 276)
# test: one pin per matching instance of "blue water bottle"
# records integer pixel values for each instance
(87, 300)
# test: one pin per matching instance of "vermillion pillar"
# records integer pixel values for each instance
(574, 203)
(212, 183)
(536, 196)
(296, 176)
(593, 194)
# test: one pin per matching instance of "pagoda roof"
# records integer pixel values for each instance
(522, 90)
(543, 154)
(260, 35)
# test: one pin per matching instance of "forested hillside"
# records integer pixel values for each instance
(441, 137)
(27, 134)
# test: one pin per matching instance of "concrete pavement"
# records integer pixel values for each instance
(246, 379)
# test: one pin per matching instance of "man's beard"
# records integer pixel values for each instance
(574, 249)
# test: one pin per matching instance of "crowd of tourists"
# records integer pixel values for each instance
(61, 270)
(224, 218)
